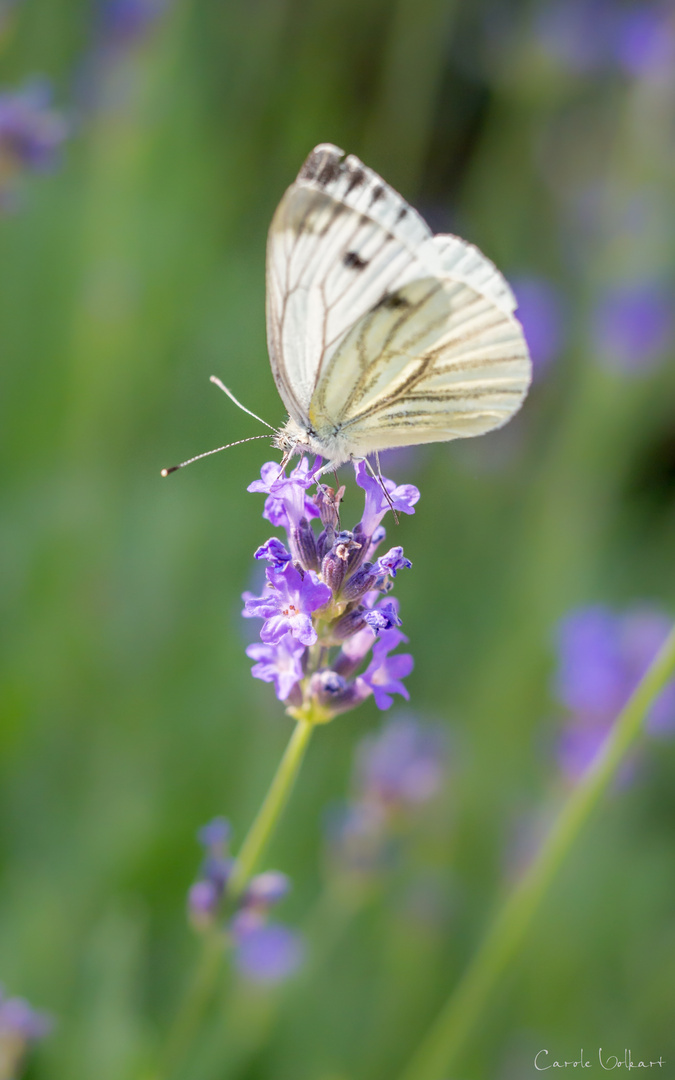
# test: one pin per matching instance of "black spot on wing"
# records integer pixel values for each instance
(403, 212)
(392, 301)
(356, 177)
(377, 193)
(329, 171)
(355, 261)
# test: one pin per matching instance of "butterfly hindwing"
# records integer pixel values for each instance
(434, 361)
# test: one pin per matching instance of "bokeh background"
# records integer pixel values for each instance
(144, 145)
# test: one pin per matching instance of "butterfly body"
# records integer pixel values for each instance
(381, 334)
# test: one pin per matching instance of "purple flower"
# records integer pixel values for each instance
(265, 890)
(274, 552)
(203, 901)
(577, 33)
(403, 763)
(397, 769)
(263, 952)
(540, 311)
(602, 656)
(382, 618)
(287, 501)
(383, 675)
(268, 954)
(644, 43)
(590, 678)
(31, 132)
(393, 561)
(19, 1019)
(288, 604)
(403, 498)
(123, 22)
(322, 589)
(633, 325)
(280, 664)
(215, 835)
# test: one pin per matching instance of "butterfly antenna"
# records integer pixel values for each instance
(221, 386)
(378, 476)
(198, 457)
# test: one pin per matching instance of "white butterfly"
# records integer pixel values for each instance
(381, 334)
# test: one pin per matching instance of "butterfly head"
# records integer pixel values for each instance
(292, 439)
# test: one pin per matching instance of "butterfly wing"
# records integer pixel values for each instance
(377, 329)
(340, 239)
(433, 361)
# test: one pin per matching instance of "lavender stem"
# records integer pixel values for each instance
(272, 808)
(437, 1056)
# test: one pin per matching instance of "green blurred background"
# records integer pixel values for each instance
(132, 271)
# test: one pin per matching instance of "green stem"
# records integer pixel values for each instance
(437, 1056)
(195, 1003)
(272, 808)
(200, 992)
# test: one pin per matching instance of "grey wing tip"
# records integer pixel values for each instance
(322, 164)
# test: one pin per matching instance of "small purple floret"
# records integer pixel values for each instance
(274, 552)
(403, 498)
(382, 618)
(288, 604)
(31, 132)
(393, 561)
(268, 954)
(384, 673)
(602, 656)
(404, 763)
(633, 325)
(541, 312)
(19, 1019)
(215, 834)
(267, 889)
(280, 664)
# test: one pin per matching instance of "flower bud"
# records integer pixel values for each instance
(303, 543)
(349, 623)
(360, 583)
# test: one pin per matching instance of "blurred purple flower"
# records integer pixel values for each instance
(20, 1026)
(31, 133)
(263, 952)
(633, 325)
(322, 588)
(396, 770)
(541, 313)
(269, 953)
(644, 44)
(403, 764)
(588, 36)
(602, 656)
(577, 33)
(18, 1017)
(122, 23)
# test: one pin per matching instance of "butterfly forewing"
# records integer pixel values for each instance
(381, 334)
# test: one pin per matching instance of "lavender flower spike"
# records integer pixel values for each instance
(322, 608)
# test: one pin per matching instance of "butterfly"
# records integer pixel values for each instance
(381, 334)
